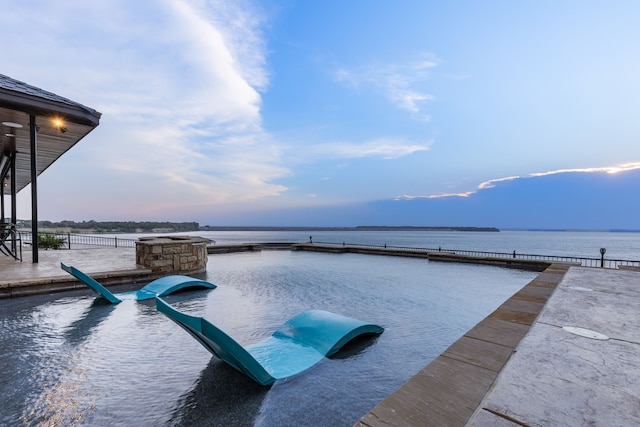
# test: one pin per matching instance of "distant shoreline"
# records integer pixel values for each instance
(358, 228)
(137, 227)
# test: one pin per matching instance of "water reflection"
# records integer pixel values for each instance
(356, 346)
(221, 397)
(82, 328)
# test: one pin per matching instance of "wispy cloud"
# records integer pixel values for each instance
(401, 83)
(435, 196)
(606, 169)
(491, 183)
(381, 148)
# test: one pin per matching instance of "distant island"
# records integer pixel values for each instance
(175, 227)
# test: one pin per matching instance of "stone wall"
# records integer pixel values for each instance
(172, 254)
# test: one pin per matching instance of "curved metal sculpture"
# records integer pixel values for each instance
(296, 346)
(159, 287)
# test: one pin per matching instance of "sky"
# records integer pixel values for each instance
(333, 113)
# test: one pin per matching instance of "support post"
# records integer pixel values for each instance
(1, 198)
(14, 204)
(34, 187)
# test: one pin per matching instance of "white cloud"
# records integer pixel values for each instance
(401, 83)
(179, 92)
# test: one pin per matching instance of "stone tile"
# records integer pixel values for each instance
(551, 276)
(604, 312)
(513, 316)
(531, 307)
(534, 293)
(627, 282)
(499, 331)
(445, 393)
(560, 379)
(476, 352)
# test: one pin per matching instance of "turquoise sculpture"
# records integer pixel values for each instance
(159, 287)
(296, 346)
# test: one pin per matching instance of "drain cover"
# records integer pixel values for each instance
(587, 333)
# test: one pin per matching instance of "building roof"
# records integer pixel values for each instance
(60, 122)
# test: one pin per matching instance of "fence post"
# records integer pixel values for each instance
(69, 240)
(602, 252)
(116, 240)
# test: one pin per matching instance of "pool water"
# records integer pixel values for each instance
(71, 359)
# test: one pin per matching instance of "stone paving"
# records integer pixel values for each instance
(111, 266)
(91, 260)
(579, 364)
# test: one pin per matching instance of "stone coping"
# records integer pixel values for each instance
(170, 239)
(42, 285)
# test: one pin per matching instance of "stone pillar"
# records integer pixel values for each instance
(172, 254)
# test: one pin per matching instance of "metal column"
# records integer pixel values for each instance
(34, 187)
(14, 204)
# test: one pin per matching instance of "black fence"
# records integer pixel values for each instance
(76, 241)
(583, 261)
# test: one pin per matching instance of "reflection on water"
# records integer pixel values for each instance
(81, 328)
(73, 360)
(220, 397)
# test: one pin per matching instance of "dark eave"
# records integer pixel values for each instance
(19, 101)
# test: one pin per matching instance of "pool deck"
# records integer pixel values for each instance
(111, 266)
(517, 367)
(521, 367)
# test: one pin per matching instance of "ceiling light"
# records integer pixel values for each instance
(12, 125)
(59, 123)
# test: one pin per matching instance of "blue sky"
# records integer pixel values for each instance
(321, 112)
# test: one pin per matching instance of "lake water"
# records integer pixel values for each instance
(619, 245)
(69, 359)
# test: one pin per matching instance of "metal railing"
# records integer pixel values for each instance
(583, 261)
(10, 243)
(81, 240)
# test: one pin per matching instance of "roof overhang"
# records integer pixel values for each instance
(60, 124)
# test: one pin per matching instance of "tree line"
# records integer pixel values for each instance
(115, 226)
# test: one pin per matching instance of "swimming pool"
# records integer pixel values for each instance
(70, 359)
